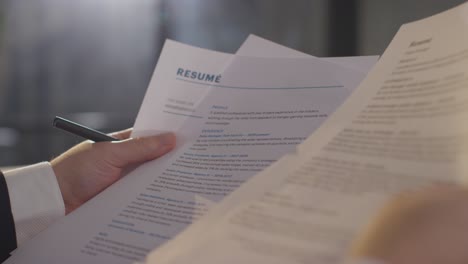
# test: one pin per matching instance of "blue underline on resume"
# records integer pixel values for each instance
(168, 112)
(260, 88)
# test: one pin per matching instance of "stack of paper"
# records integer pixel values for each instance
(234, 116)
(404, 126)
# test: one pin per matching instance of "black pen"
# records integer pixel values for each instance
(81, 130)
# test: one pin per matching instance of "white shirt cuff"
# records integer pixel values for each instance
(36, 200)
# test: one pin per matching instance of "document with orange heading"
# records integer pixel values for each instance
(404, 127)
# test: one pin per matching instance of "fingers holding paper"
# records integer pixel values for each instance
(428, 226)
(88, 168)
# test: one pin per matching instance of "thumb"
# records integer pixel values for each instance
(138, 150)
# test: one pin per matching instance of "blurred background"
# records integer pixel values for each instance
(91, 60)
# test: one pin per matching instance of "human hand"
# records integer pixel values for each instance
(429, 226)
(88, 168)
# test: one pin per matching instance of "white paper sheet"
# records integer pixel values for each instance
(404, 127)
(170, 93)
(255, 46)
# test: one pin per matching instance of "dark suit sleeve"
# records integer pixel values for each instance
(7, 225)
